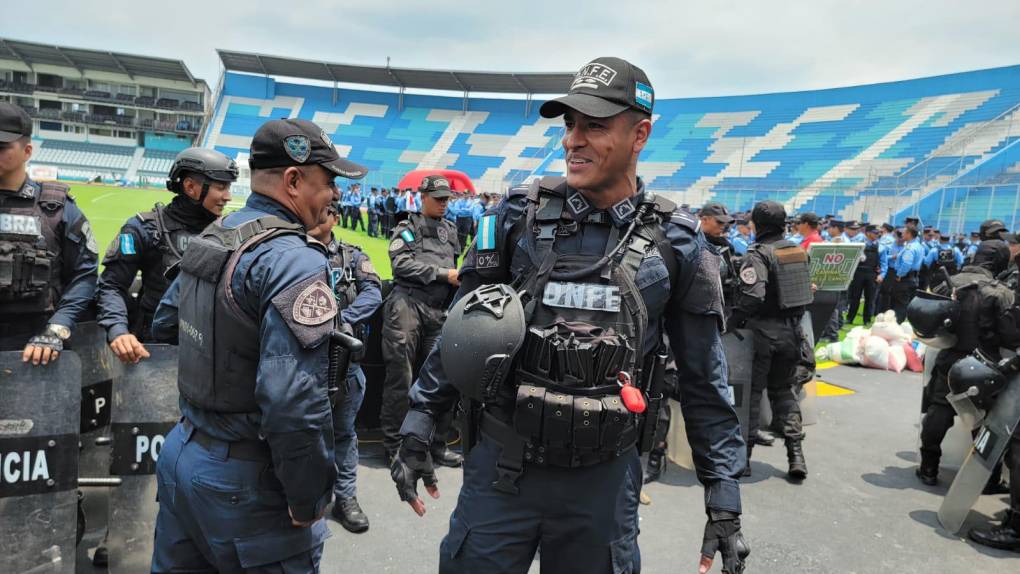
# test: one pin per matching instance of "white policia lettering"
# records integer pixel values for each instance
(19, 224)
(23, 466)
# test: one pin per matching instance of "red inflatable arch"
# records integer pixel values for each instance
(459, 181)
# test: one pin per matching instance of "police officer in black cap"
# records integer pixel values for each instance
(775, 288)
(604, 269)
(357, 289)
(987, 321)
(247, 474)
(423, 254)
(48, 274)
(153, 242)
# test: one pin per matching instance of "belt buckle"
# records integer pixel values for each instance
(506, 479)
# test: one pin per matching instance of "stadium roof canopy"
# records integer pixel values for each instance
(82, 59)
(451, 80)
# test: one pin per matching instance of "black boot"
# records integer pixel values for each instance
(447, 457)
(928, 471)
(348, 513)
(1005, 537)
(656, 465)
(795, 456)
(747, 467)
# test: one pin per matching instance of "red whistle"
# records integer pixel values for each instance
(633, 398)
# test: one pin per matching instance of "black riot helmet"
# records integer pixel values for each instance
(769, 217)
(208, 163)
(977, 377)
(482, 333)
(992, 229)
(933, 317)
(993, 255)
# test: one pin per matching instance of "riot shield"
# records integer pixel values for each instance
(39, 408)
(738, 346)
(144, 410)
(988, 449)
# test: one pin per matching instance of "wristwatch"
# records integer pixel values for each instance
(58, 331)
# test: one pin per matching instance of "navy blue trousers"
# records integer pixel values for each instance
(584, 519)
(345, 438)
(225, 515)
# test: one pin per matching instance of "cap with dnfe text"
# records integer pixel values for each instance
(603, 88)
(15, 123)
(289, 142)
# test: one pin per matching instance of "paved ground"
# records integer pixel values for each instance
(860, 511)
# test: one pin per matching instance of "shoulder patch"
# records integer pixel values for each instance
(366, 267)
(90, 238)
(127, 244)
(442, 232)
(407, 235)
(397, 244)
(307, 308)
(748, 275)
(314, 305)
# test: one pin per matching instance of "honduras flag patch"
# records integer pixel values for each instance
(487, 233)
(127, 244)
(407, 236)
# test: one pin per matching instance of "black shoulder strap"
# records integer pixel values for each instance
(53, 192)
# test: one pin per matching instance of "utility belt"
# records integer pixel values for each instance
(422, 295)
(251, 450)
(912, 276)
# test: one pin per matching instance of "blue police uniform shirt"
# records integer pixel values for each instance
(452, 210)
(795, 238)
(402, 203)
(79, 258)
(858, 238)
(294, 414)
(909, 259)
(693, 331)
(477, 209)
(740, 244)
(883, 255)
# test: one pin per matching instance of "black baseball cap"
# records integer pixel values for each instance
(288, 142)
(808, 217)
(871, 228)
(436, 186)
(716, 210)
(853, 225)
(603, 88)
(14, 123)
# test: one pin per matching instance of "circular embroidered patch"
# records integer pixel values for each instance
(748, 275)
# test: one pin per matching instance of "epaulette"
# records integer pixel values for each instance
(685, 219)
(547, 185)
(660, 204)
(52, 195)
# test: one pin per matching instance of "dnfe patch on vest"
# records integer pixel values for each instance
(315, 305)
(14, 224)
(748, 275)
(443, 234)
(586, 296)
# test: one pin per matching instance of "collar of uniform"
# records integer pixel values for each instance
(28, 190)
(271, 206)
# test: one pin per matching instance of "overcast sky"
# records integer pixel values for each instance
(688, 48)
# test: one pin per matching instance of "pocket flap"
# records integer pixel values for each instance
(278, 545)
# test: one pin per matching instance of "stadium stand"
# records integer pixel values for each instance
(862, 152)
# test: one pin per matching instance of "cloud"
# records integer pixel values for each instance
(688, 48)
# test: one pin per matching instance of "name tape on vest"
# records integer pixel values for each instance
(15, 224)
(582, 296)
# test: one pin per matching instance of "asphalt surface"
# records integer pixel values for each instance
(861, 510)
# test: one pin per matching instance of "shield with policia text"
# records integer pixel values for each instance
(39, 407)
(144, 410)
(833, 264)
(989, 447)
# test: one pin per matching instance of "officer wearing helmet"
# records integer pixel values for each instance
(48, 272)
(986, 320)
(246, 475)
(578, 279)
(153, 242)
(775, 289)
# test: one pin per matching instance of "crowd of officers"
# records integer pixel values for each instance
(266, 304)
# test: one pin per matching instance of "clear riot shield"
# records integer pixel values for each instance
(144, 410)
(988, 449)
(39, 408)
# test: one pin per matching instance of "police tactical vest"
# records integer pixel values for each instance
(789, 279)
(341, 274)
(974, 291)
(434, 242)
(587, 320)
(945, 259)
(868, 267)
(30, 248)
(219, 341)
(171, 237)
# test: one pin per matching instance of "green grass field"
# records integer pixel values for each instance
(109, 207)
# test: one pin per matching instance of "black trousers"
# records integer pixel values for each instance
(885, 292)
(373, 224)
(354, 213)
(902, 292)
(776, 352)
(861, 285)
(410, 330)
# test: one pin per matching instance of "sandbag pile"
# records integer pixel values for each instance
(886, 345)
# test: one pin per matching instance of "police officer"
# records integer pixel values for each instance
(48, 274)
(423, 254)
(869, 274)
(944, 255)
(906, 269)
(775, 288)
(465, 220)
(357, 288)
(596, 257)
(389, 211)
(986, 322)
(245, 477)
(154, 241)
